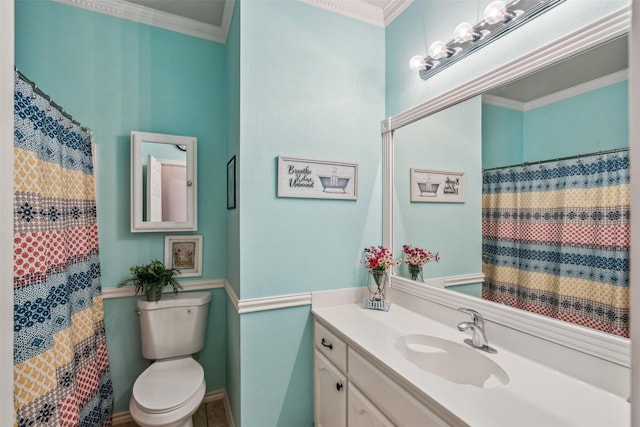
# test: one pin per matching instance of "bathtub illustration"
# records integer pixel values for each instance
(333, 183)
(428, 189)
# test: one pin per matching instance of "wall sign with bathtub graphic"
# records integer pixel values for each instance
(317, 179)
(437, 186)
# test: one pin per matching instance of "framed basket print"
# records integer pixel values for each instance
(317, 179)
(437, 186)
(184, 253)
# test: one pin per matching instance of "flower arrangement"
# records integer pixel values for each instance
(418, 256)
(415, 258)
(379, 258)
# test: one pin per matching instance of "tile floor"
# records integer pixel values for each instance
(209, 414)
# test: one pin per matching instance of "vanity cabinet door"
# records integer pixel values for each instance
(330, 394)
(363, 413)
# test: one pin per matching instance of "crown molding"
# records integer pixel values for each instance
(393, 9)
(599, 83)
(499, 101)
(363, 11)
(144, 15)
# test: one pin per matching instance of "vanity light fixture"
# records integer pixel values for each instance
(499, 19)
(464, 32)
(496, 12)
(439, 50)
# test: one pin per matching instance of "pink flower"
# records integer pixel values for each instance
(379, 258)
(418, 256)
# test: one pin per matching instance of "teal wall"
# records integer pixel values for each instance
(502, 133)
(587, 123)
(312, 86)
(277, 368)
(232, 368)
(439, 143)
(115, 76)
(321, 96)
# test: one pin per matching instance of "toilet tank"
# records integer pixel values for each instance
(174, 326)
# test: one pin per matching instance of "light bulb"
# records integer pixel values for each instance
(464, 32)
(438, 50)
(417, 63)
(495, 12)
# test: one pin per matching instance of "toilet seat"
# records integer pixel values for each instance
(167, 385)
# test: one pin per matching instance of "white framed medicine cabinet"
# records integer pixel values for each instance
(163, 182)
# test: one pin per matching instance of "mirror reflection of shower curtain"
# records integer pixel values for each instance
(555, 239)
(61, 366)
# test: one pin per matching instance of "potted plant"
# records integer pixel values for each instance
(151, 278)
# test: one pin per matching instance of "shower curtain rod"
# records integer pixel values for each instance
(53, 104)
(577, 156)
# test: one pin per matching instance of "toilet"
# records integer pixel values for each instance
(171, 389)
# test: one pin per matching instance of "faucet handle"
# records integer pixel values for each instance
(477, 317)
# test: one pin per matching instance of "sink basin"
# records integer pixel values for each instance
(455, 362)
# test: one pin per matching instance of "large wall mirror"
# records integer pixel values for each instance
(555, 117)
(163, 182)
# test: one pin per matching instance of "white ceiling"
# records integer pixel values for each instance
(603, 60)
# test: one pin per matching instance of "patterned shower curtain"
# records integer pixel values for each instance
(555, 239)
(61, 367)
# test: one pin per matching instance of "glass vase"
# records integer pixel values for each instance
(415, 272)
(377, 284)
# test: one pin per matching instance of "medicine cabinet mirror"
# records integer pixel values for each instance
(163, 182)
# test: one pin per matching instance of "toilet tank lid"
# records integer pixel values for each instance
(182, 299)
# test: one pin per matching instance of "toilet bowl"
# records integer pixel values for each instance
(168, 393)
(171, 389)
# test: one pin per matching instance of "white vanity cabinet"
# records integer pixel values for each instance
(362, 413)
(330, 382)
(350, 391)
(330, 388)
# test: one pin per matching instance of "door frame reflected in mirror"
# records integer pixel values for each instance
(599, 344)
(138, 182)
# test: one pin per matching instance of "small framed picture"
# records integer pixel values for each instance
(317, 179)
(184, 253)
(231, 183)
(437, 186)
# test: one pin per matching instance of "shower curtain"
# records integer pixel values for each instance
(555, 239)
(61, 367)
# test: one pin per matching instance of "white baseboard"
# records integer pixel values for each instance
(122, 418)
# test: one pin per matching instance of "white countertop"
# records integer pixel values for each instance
(535, 396)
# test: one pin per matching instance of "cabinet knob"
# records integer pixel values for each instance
(338, 386)
(330, 346)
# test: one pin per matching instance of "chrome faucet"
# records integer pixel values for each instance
(476, 326)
